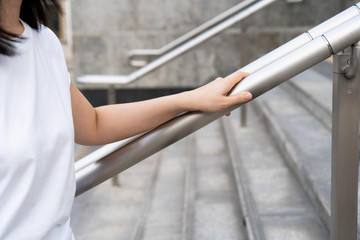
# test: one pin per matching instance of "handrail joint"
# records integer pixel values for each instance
(354, 68)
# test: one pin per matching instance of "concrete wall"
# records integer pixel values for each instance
(104, 31)
(283, 21)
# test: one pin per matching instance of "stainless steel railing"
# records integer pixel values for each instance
(176, 52)
(308, 49)
(267, 72)
(254, 66)
(141, 57)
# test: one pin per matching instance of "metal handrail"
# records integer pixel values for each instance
(154, 53)
(269, 71)
(125, 79)
(101, 152)
(313, 33)
(267, 59)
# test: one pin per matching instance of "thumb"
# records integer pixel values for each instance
(239, 98)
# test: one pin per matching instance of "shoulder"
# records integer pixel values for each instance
(48, 40)
(49, 48)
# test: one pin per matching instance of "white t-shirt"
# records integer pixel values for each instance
(37, 179)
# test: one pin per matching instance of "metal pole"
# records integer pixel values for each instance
(345, 141)
(243, 116)
(112, 100)
(149, 54)
(244, 61)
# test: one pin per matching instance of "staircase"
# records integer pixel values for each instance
(270, 180)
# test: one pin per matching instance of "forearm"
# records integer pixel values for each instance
(119, 121)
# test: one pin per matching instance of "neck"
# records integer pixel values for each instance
(10, 15)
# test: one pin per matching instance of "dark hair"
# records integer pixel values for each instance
(34, 13)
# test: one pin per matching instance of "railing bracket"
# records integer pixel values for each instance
(354, 62)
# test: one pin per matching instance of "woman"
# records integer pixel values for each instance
(42, 112)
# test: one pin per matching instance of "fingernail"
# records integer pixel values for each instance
(247, 96)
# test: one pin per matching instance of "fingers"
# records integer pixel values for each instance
(245, 96)
(237, 77)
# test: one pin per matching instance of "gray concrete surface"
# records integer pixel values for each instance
(186, 191)
(284, 209)
(104, 31)
(111, 212)
(305, 142)
(314, 92)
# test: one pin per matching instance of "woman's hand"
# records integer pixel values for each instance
(213, 97)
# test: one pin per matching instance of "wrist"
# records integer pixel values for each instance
(186, 101)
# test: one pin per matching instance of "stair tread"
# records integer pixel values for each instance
(216, 208)
(164, 216)
(107, 211)
(324, 68)
(164, 207)
(316, 86)
(279, 199)
(306, 138)
(309, 143)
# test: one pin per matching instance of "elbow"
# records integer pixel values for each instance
(87, 132)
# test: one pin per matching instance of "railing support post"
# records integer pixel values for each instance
(112, 100)
(345, 155)
(244, 61)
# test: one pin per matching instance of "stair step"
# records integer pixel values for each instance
(187, 192)
(194, 196)
(324, 68)
(306, 157)
(163, 217)
(305, 143)
(111, 212)
(281, 204)
(217, 211)
(314, 91)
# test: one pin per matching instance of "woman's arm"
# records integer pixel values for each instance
(101, 125)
